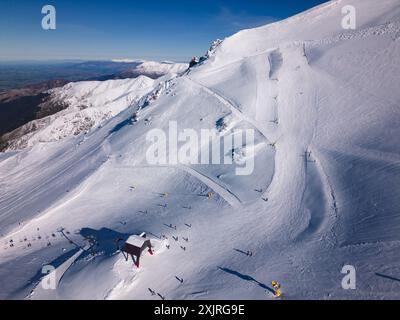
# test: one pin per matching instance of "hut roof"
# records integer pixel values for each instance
(136, 241)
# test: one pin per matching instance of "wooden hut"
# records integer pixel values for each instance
(134, 246)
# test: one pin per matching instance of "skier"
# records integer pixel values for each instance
(153, 293)
(161, 296)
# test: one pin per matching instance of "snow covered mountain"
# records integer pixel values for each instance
(89, 103)
(324, 108)
(29, 111)
(152, 69)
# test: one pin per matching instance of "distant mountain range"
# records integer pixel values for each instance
(20, 74)
(19, 106)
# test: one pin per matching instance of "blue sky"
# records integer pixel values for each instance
(148, 29)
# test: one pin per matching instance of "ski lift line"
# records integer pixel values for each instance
(33, 243)
(36, 239)
(57, 206)
(16, 204)
(39, 186)
(61, 171)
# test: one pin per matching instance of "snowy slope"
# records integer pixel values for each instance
(153, 69)
(324, 107)
(161, 67)
(90, 103)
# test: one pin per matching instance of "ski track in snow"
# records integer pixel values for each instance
(226, 194)
(292, 227)
(275, 62)
(234, 108)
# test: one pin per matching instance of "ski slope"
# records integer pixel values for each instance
(323, 104)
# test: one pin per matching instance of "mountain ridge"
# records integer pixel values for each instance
(322, 104)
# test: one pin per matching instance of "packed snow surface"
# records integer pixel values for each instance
(324, 105)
